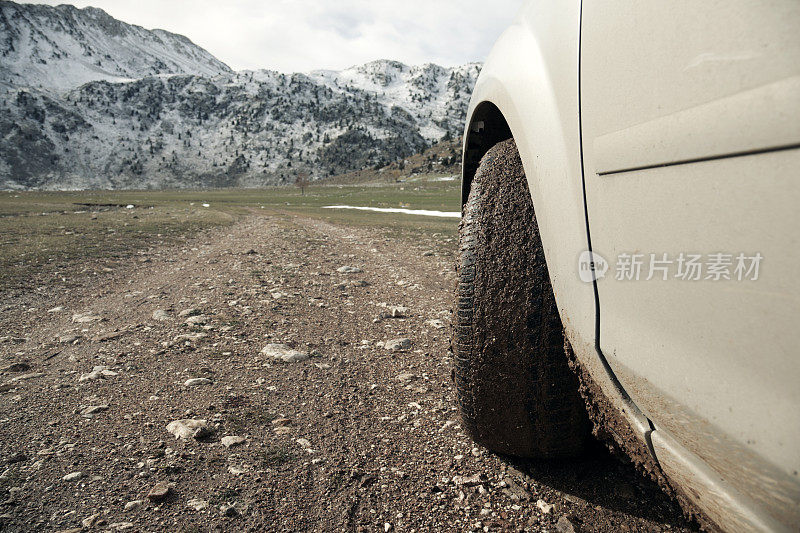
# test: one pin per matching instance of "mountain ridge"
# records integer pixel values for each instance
(209, 127)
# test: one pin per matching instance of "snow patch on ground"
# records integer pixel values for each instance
(423, 212)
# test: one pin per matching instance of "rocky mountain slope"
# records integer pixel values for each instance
(63, 47)
(161, 112)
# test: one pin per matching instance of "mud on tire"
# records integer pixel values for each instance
(516, 392)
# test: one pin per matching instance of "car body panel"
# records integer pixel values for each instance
(714, 496)
(691, 123)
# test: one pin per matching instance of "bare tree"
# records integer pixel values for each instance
(302, 182)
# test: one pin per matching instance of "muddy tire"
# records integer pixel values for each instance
(516, 392)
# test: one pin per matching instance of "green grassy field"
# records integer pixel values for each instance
(45, 234)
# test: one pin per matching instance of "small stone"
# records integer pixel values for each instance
(566, 525)
(544, 507)
(281, 422)
(160, 315)
(406, 377)
(196, 320)
(195, 382)
(192, 311)
(93, 410)
(470, 481)
(73, 476)
(304, 443)
(190, 337)
(55, 309)
(236, 470)
(85, 318)
(398, 311)
(185, 428)
(435, 323)
(91, 521)
(121, 526)
(68, 339)
(232, 440)
(284, 353)
(398, 345)
(133, 505)
(159, 492)
(282, 430)
(197, 504)
(229, 510)
(98, 372)
(349, 270)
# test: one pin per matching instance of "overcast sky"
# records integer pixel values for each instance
(302, 35)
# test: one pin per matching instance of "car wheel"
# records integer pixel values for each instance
(516, 392)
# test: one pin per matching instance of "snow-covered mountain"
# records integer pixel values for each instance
(189, 121)
(60, 48)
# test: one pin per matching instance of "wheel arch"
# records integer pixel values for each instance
(487, 127)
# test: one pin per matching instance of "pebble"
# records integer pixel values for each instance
(189, 312)
(93, 410)
(406, 377)
(85, 318)
(232, 440)
(197, 504)
(186, 428)
(73, 476)
(159, 491)
(284, 353)
(160, 315)
(566, 525)
(68, 339)
(92, 521)
(281, 422)
(398, 311)
(349, 270)
(544, 507)
(398, 345)
(190, 337)
(195, 382)
(197, 320)
(229, 510)
(469, 481)
(98, 372)
(133, 505)
(55, 309)
(435, 323)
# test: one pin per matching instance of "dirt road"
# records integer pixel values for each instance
(357, 437)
